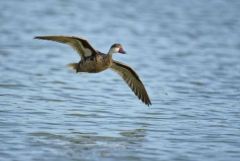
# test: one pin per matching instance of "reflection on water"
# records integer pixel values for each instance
(187, 55)
(90, 145)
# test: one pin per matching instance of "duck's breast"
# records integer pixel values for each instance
(102, 63)
(98, 64)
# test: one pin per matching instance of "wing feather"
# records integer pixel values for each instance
(133, 81)
(82, 46)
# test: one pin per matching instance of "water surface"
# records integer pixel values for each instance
(187, 54)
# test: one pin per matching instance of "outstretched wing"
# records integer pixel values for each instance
(133, 81)
(82, 46)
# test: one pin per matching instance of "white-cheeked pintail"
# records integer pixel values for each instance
(93, 61)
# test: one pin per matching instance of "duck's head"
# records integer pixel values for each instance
(117, 48)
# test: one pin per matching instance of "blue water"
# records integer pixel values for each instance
(187, 53)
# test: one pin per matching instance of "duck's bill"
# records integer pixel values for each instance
(122, 51)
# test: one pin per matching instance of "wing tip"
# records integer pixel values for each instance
(39, 37)
(148, 102)
(49, 37)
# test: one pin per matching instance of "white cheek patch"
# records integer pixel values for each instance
(115, 50)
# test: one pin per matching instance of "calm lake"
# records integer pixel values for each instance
(187, 53)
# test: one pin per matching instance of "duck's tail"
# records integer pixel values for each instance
(73, 66)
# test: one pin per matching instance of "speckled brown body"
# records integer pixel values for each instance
(94, 65)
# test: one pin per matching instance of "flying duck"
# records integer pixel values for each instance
(93, 61)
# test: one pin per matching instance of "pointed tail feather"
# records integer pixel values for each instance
(73, 66)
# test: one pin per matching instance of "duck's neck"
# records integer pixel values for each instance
(110, 53)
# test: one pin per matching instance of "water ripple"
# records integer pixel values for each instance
(186, 54)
